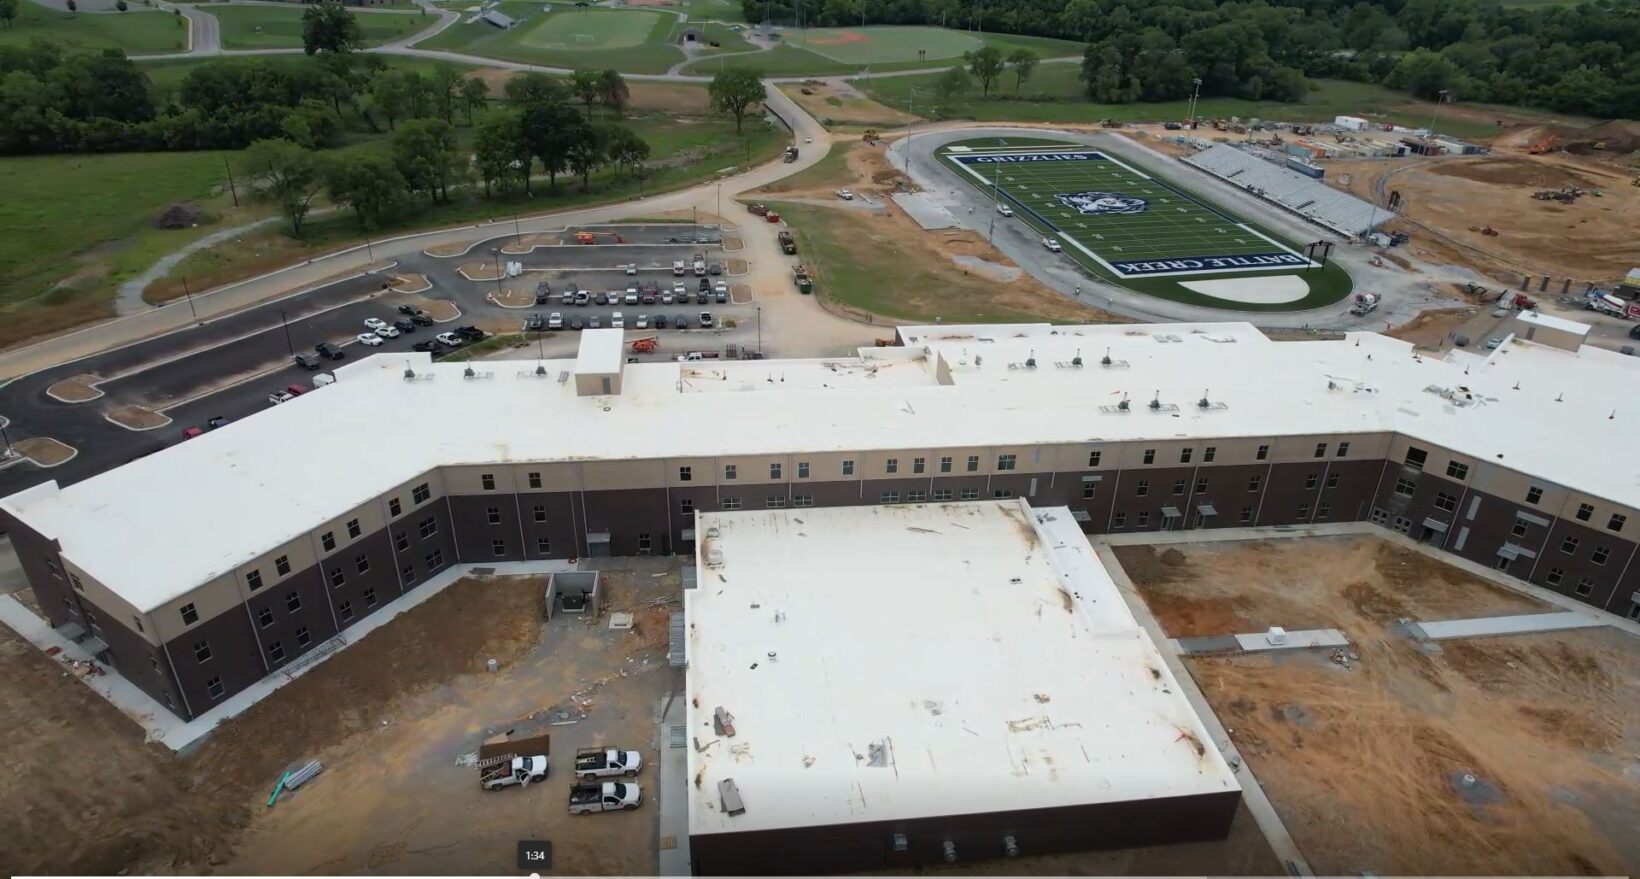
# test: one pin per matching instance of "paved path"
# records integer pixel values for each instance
(129, 300)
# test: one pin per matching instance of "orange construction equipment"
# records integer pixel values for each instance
(645, 345)
(592, 237)
(1542, 146)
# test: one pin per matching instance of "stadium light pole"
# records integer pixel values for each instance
(1195, 96)
(1439, 98)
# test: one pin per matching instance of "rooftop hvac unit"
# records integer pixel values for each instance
(729, 794)
(723, 722)
(714, 555)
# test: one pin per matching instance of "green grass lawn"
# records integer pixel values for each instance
(822, 51)
(714, 10)
(275, 27)
(632, 41)
(167, 75)
(139, 32)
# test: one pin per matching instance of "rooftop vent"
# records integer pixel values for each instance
(723, 722)
(729, 794)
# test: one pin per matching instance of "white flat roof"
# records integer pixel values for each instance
(978, 649)
(158, 527)
(601, 352)
(1555, 323)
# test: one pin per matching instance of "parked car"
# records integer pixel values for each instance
(217, 420)
(642, 323)
(555, 321)
(566, 298)
(375, 323)
(610, 796)
(705, 285)
(431, 345)
(617, 320)
(296, 390)
(666, 298)
(648, 298)
(601, 299)
(329, 351)
(409, 310)
(542, 298)
(583, 298)
(451, 340)
(575, 323)
(593, 323)
(703, 297)
(471, 332)
(631, 297)
(387, 331)
(306, 362)
(422, 320)
(280, 396)
(681, 321)
(370, 339)
(632, 268)
(660, 321)
(1052, 244)
(603, 762)
(1494, 342)
(706, 318)
(535, 322)
(191, 432)
(845, 195)
(519, 771)
(404, 326)
(679, 290)
(714, 268)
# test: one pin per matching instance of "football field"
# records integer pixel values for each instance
(1130, 222)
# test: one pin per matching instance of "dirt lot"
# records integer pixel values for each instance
(388, 717)
(838, 103)
(45, 451)
(137, 417)
(76, 388)
(1491, 756)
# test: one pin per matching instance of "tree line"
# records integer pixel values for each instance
(1575, 58)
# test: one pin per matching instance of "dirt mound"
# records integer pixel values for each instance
(1617, 136)
(1172, 558)
(182, 215)
(1515, 171)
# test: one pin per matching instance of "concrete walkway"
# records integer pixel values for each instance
(673, 785)
(1515, 624)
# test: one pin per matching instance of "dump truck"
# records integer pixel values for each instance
(800, 275)
(600, 762)
(788, 244)
(610, 796)
(1365, 303)
(757, 209)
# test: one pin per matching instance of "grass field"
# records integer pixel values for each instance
(166, 76)
(882, 48)
(138, 32)
(713, 10)
(1130, 225)
(632, 41)
(275, 27)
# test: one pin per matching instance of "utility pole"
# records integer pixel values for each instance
(188, 293)
(231, 187)
(518, 238)
(285, 322)
(1436, 112)
(496, 252)
(1194, 97)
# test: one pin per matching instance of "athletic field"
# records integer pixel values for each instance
(592, 29)
(1130, 222)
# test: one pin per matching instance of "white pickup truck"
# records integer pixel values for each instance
(517, 771)
(609, 796)
(678, 268)
(1051, 243)
(601, 762)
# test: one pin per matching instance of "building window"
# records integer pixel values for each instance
(202, 651)
(848, 468)
(276, 651)
(1254, 483)
(345, 611)
(1119, 521)
(401, 541)
(892, 465)
(802, 470)
(281, 565)
(731, 471)
(543, 545)
(214, 687)
(1343, 450)
(774, 502)
(1309, 481)
(408, 573)
(1519, 528)
(493, 514)
(1088, 489)
(1585, 512)
(328, 541)
(1457, 471)
(264, 617)
(293, 602)
(1585, 586)
(538, 513)
(498, 547)
(253, 580)
(1263, 452)
(1332, 480)
(362, 563)
(1184, 455)
(1093, 458)
(1143, 488)
(973, 463)
(370, 598)
(1615, 523)
(919, 465)
(1303, 511)
(1150, 456)
(686, 506)
(1320, 450)
(1569, 545)
(190, 614)
(1178, 486)
(731, 503)
(686, 474)
(889, 497)
(1142, 520)
(435, 560)
(1005, 462)
(916, 497)
(487, 481)
(1209, 453)
(942, 494)
(1405, 486)
(1416, 457)
(1246, 514)
(1600, 554)
(353, 529)
(337, 578)
(774, 471)
(1002, 493)
(421, 493)
(945, 464)
(429, 527)
(1534, 494)
(534, 477)
(802, 500)
(1444, 501)
(969, 494)
(645, 544)
(303, 638)
(394, 508)
(1201, 485)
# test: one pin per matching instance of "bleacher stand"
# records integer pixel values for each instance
(1309, 198)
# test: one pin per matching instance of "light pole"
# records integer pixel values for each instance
(760, 331)
(188, 293)
(496, 253)
(1195, 96)
(370, 251)
(1435, 112)
(285, 322)
(518, 238)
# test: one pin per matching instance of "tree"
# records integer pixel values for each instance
(284, 174)
(427, 154)
(1023, 61)
(587, 153)
(369, 184)
(615, 93)
(328, 27)
(951, 85)
(121, 5)
(533, 88)
(627, 150)
(444, 87)
(734, 90)
(8, 12)
(986, 65)
(501, 152)
(391, 94)
(474, 92)
(551, 129)
(73, 7)
(586, 85)
(311, 125)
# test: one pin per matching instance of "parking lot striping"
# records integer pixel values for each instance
(1134, 224)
